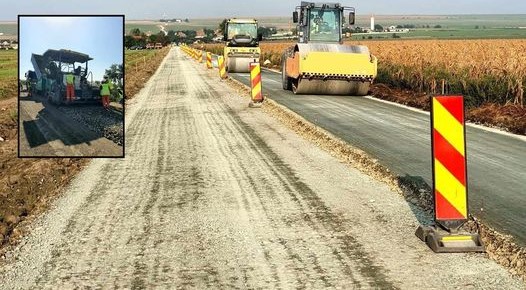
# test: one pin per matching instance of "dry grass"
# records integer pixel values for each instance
(140, 65)
(484, 71)
(8, 77)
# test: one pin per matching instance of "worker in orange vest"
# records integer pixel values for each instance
(70, 87)
(105, 90)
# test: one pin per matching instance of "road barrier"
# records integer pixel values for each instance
(255, 82)
(200, 56)
(209, 60)
(449, 179)
(222, 68)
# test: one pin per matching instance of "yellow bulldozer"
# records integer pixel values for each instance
(320, 63)
(241, 44)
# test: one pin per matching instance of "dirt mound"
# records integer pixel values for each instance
(512, 117)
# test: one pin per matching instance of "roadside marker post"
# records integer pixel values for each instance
(450, 186)
(208, 60)
(222, 68)
(255, 82)
(200, 56)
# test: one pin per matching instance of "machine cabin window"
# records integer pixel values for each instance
(324, 25)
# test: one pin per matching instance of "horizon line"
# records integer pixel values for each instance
(203, 18)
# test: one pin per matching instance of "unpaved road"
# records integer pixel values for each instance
(46, 130)
(213, 194)
(401, 140)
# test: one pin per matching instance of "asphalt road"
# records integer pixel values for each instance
(215, 195)
(400, 139)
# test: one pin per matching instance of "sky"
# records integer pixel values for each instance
(99, 37)
(155, 9)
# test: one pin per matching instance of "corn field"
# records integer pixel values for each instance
(484, 71)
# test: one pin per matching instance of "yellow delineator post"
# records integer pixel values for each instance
(449, 180)
(255, 84)
(200, 56)
(209, 60)
(222, 68)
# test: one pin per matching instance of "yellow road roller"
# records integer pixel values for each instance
(241, 44)
(320, 63)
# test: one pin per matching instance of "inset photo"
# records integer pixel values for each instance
(71, 86)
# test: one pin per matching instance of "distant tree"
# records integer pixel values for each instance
(355, 30)
(161, 38)
(477, 27)
(190, 36)
(265, 31)
(135, 31)
(378, 27)
(186, 20)
(396, 35)
(438, 26)
(171, 36)
(209, 34)
(129, 41)
(115, 74)
(222, 26)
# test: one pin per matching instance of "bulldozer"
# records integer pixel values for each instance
(320, 63)
(241, 44)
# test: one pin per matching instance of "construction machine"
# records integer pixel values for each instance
(241, 44)
(50, 73)
(320, 63)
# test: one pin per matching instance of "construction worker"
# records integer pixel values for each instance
(70, 87)
(105, 90)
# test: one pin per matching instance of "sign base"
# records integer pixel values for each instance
(253, 104)
(441, 241)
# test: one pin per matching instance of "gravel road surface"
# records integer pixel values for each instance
(213, 194)
(400, 139)
(46, 130)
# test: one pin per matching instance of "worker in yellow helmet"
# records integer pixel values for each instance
(105, 90)
(70, 87)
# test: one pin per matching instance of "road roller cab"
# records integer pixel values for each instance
(241, 44)
(320, 63)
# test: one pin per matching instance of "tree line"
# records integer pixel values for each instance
(136, 37)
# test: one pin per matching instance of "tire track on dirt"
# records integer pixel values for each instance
(307, 201)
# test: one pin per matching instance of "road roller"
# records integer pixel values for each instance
(320, 63)
(241, 44)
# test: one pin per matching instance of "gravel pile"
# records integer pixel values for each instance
(109, 124)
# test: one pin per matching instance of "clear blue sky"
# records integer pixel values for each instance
(99, 37)
(154, 9)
